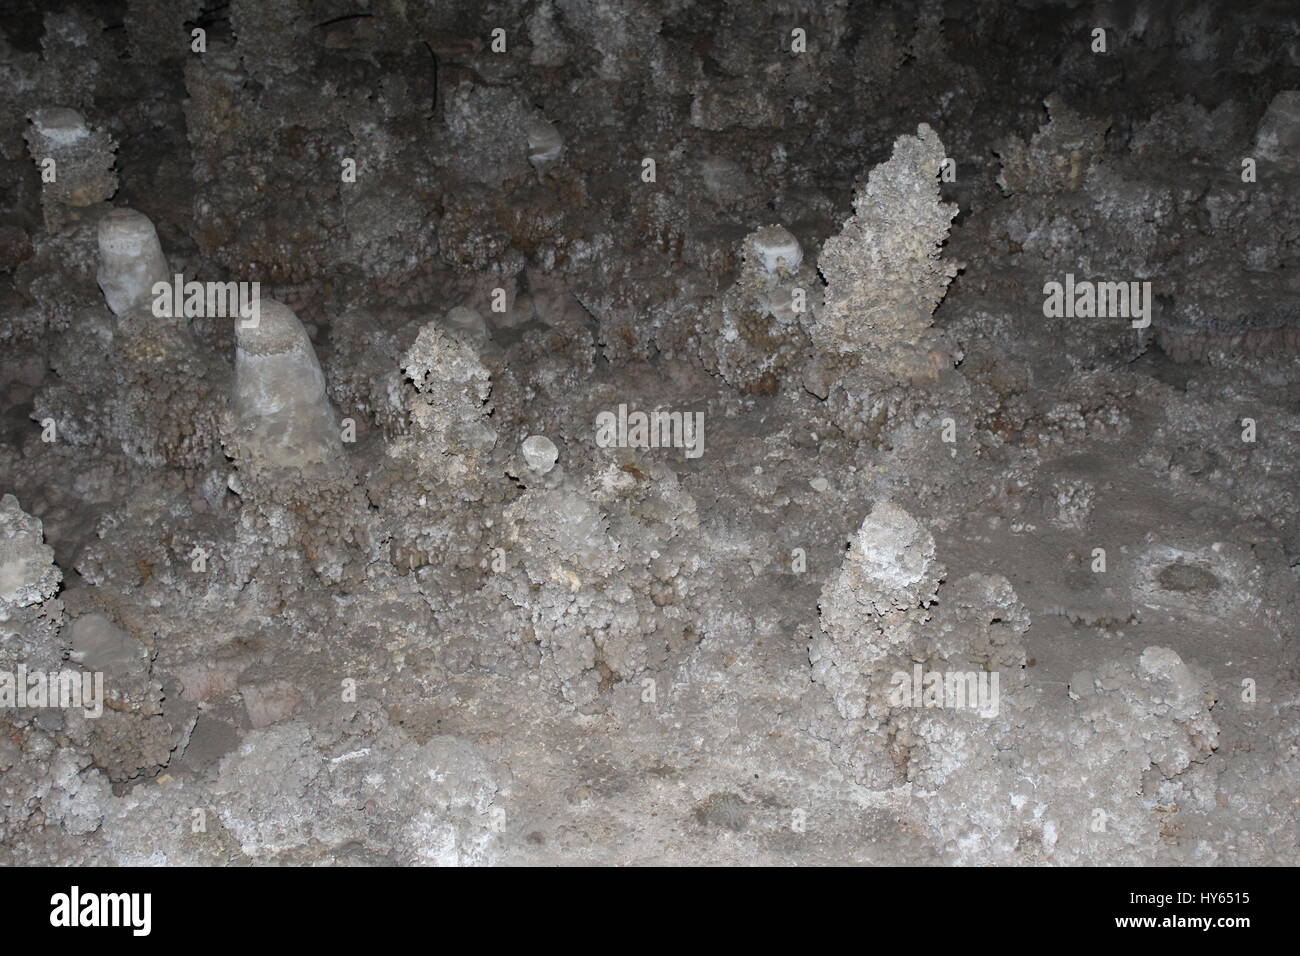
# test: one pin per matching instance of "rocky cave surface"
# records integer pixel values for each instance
(367, 583)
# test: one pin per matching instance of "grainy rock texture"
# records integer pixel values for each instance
(668, 432)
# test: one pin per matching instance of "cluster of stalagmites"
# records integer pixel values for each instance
(926, 686)
(599, 613)
(167, 399)
(858, 329)
(281, 427)
(859, 322)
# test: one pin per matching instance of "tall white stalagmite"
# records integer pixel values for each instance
(130, 260)
(280, 404)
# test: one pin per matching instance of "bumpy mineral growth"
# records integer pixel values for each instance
(620, 431)
(74, 160)
(884, 274)
(30, 614)
(28, 574)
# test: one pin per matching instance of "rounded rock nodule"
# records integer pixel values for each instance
(540, 453)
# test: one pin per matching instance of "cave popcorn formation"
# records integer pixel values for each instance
(339, 551)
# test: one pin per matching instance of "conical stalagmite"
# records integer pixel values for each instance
(279, 400)
(130, 259)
